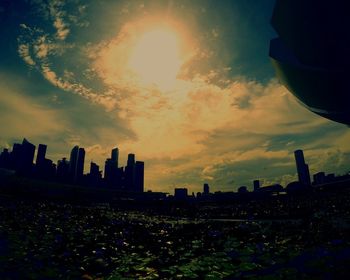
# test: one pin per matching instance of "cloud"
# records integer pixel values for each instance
(23, 51)
(213, 126)
(21, 116)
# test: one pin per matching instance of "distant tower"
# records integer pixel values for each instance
(302, 168)
(40, 157)
(80, 163)
(76, 163)
(108, 170)
(113, 175)
(94, 175)
(94, 169)
(115, 156)
(206, 189)
(73, 161)
(26, 157)
(256, 185)
(131, 160)
(63, 170)
(130, 173)
(15, 156)
(139, 176)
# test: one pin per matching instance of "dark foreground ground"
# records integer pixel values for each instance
(50, 240)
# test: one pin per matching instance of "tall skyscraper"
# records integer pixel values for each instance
(139, 176)
(15, 156)
(131, 160)
(73, 161)
(80, 164)
(113, 175)
(63, 170)
(115, 156)
(40, 157)
(130, 173)
(302, 168)
(108, 170)
(76, 163)
(26, 157)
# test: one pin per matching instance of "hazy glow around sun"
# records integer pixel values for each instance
(155, 58)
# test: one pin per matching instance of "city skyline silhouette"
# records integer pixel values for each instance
(166, 139)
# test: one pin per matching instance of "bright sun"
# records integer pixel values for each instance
(155, 58)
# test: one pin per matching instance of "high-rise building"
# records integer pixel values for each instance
(139, 176)
(302, 168)
(76, 163)
(40, 157)
(206, 189)
(15, 156)
(73, 161)
(130, 173)
(80, 164)
(94, 169)
(63, 170)
(108, 170)
(95, 175)
(115, 156)
(113, 175)
(26, 157)
(131, 159)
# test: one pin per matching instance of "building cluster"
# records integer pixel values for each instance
(21, 160)
(303, 183)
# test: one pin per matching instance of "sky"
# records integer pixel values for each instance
(187, 86)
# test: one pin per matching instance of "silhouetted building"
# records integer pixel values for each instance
(26, 158)
(76, 163)
(180, 193)
(115, 156)
(63, 170)
(302, 168)
(108, 171)
(15, 156)
(139, 176)
(73, 161)
(113, 174)
(206, 189)
(40, 157)
(5, 159)
(319, 178)
(130, 173)
(94, 176)
(256, 185)
(131, 159)
(80, 163)
(44, 167)
(242, 189)
(297, 188)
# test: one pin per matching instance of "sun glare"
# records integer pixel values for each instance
(155, 58)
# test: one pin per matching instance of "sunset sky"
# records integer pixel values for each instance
(187, 86)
